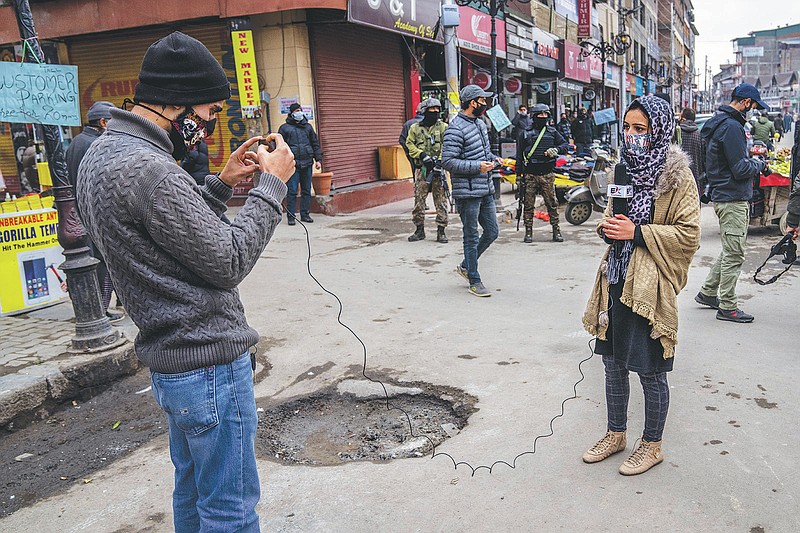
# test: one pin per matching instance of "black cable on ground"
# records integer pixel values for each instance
(389, 406)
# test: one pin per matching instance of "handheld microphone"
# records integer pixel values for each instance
(620, 190)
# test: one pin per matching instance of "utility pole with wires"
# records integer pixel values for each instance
(450, 21)
(93, 331)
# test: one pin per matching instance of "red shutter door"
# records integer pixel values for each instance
(360, 92)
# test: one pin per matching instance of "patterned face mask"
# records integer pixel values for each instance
(637, 144)
(192, 128)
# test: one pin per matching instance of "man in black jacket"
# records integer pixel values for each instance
(303, 140)
(730, 175)
(582, 132)
(537, 149)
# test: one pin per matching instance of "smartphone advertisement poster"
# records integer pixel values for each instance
(29, 260)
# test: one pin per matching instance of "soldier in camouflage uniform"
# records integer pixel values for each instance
(537, 149)
(424, 145)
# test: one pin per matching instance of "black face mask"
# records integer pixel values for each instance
(188, 130)
(430, 118)
(539, 122)
(481, 109)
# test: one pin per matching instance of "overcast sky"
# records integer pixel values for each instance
(719, 21)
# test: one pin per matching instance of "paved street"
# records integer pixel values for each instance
(729, 439)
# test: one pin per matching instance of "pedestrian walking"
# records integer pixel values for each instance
(695, 147)
(778, 123)
(97, 118)
(787, 123)
(467, 155)
(633, 317)
(30, 179)
(424, 144)
(582, 133)
(303, 140)
(730, 174)
(177, 266)
(537, 148)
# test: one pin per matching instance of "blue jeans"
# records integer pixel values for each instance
(656, 399)
(474, 211)
(212, 428)
(303, 177)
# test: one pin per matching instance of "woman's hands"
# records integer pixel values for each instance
(619, 228)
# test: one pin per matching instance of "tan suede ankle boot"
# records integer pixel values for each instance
(645, 457)
(611, 443)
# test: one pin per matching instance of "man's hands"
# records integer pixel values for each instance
(280, 161)
(318, 165)
(619, 228)
(793, 231)
(551, 152)
(241, 164)
(427, 161)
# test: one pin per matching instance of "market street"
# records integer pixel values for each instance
(728, 441)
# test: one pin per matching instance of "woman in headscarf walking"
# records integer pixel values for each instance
(633, 308)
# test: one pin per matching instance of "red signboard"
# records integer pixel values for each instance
(474, 32)
(573, 68)
(595, 67)
(584, 18)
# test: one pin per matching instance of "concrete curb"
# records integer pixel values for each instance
(38, 387)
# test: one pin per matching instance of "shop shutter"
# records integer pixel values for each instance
(360, 92)
(108, 69)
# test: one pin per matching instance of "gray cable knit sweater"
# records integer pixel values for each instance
(174, 262)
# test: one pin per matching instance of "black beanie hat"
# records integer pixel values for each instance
(294, 107)
(180, 70)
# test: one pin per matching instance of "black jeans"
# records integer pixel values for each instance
(656, 399)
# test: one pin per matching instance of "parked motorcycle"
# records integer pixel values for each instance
(582, 200)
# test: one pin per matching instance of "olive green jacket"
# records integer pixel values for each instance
(422, 140)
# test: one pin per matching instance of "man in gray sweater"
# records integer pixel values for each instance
(177, 264)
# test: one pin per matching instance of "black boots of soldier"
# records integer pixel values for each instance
(440, 236)
(419, 234)
(556, 235)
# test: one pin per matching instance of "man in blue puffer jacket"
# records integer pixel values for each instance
(466, 153)
(303, 140)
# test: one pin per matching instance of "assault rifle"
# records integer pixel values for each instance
(521, 196)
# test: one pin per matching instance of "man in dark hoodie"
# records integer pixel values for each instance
(730, 175)
(695, 147)
(303, 140)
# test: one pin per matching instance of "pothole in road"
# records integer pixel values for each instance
(351, 422)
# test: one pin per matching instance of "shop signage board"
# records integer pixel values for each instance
(475, 29)
(246, 76)
(595, 67)
(546, 51)
(412, 18)
(29, 259)
(613, 75)
(584, 18)
(574, 69)
(286, 103)
(32, 93)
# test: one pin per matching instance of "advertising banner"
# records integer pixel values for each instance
(474, 33)
(245, 58)
(595, 67)
(39, 94)
(413, 18)
(29, 259)
(574, 69)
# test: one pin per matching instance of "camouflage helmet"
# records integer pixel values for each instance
(538, 108)
(430, 102)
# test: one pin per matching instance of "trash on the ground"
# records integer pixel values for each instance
(22, 457)
(146, 389)
(116, 424)
(63, 478)
(86, 481)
